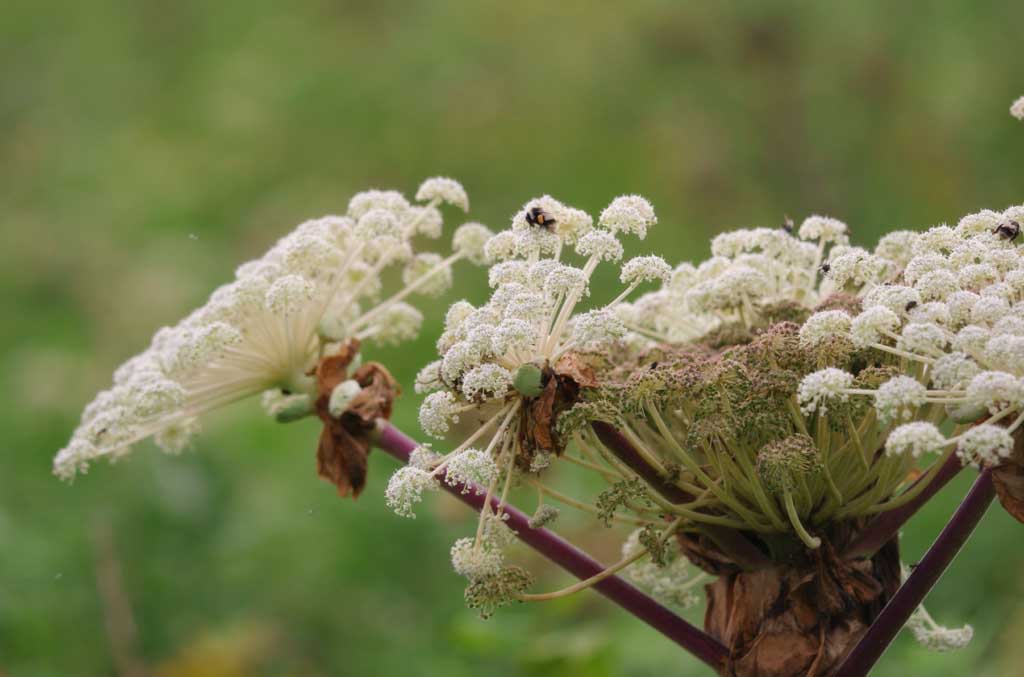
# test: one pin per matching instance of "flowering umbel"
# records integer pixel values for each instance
(315, 295)
(514, 365)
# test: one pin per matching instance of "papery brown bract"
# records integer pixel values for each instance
(798, 617)
(344, 441)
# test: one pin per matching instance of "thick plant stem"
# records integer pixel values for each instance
(880, 530)
(927, 573)
(393, 441)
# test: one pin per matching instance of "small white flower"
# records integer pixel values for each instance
(500, 247)
(428, 379)
(937, 240)
(424, 458)
(378, 223)
(645, 269)
(996, 390)
(872, 325)
(971, 339)
(628, 214)
(388, 200)
(914, 439)
(980, 223)
(953, 370)
(823, 228)
(470, 467)
(895, 297)
(512, 335)
(923, 264)
(397, 323)
(977, 276)
(897, 246)
(475, 562)
(961, 306)
(825, 325)
(405, 489)
(818, 389)
(443, 189)
(428, 273)
(936, 285)
(289, 294)
(600, 244)
(597, 328)
(899, 398)
(923, 337)
(438, 411)
(984, 444)
(1005, 351)
(565, 281)
(1017, 108)
(486, 382)
(470, 240)
(989, 310)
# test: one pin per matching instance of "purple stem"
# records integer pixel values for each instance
(927, 573)
(745, 554)
(578, 563)
(884, 527)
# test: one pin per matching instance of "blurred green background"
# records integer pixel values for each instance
(147, 148)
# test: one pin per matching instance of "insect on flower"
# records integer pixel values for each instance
(1008, 230)
(536, 216)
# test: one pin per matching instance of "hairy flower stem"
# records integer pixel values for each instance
(880, 530)
(917, 586)
(576, 562)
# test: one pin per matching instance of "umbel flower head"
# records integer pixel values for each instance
(514, 363)
(317, 288)
(763, 382)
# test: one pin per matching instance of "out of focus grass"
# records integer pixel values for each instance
(148, 148)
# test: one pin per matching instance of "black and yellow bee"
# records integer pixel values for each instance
(535, 216)
(1008, 230)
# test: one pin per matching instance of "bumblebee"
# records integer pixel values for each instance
(1008, 230)
(910, 306)
(536, 216)
(825, 267)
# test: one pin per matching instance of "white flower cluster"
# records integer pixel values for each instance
(751, 269)
(487, 352)
(266, 329)
(1017, 108)
(949, 304)
(496, 357)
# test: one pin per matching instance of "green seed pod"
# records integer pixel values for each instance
(527, 380)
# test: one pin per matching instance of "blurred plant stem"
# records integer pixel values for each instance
(118, 618)
(393, 441)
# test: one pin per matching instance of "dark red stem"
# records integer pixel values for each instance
(881, 530)
(578, 563)
(917, 586)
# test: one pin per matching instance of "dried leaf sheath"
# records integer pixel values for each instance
(344, 445)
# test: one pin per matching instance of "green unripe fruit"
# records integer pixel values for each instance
(527, 380)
